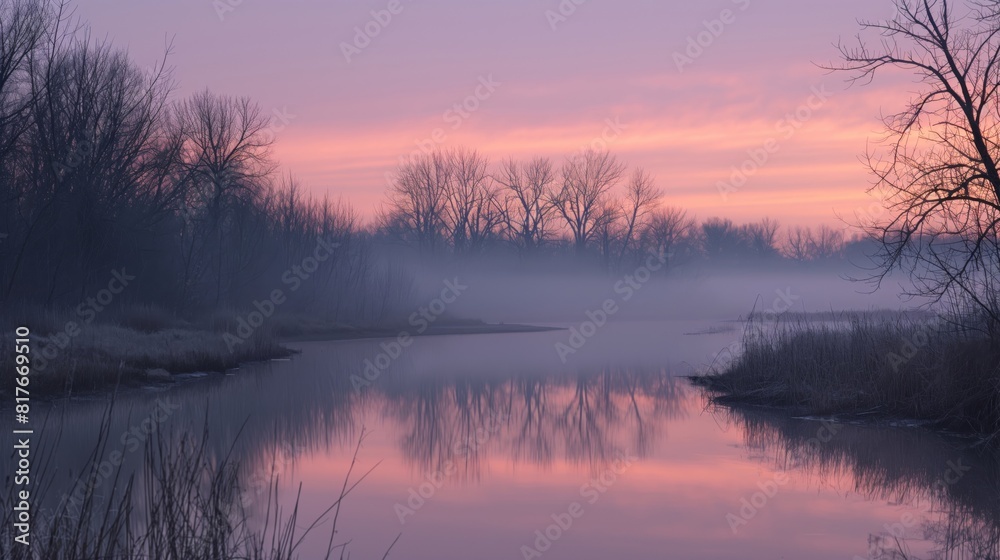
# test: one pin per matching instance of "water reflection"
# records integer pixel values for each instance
(583, 419)
(524, 411)
(517, 433)
(947, 485)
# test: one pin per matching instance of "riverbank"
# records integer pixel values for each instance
(466, 328)
(902, 368)
(147, 348)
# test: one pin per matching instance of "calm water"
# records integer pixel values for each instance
(491, 447)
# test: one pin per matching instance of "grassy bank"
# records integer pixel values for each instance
(881, 367)
(141, 345)
(105, 356)
(126, 348)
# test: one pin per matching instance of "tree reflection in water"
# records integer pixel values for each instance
(584, 419)
(953, 483)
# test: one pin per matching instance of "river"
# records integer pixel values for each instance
(498, 446)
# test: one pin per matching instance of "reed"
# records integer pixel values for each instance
(185, 504)
(903, 367)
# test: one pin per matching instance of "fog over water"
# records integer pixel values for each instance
(500, 280)
(477, 441)
(498, 295)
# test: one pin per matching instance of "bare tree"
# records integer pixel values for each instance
(227, 147)
(762, 237)
(721, 239)
(608, 231)
(641, 197)
(23, 28)
(93, 162)
(668, 230)
(99, 170)
(937, 165)
(806, 244)
(798, 245)
(418, 199)
(826, 243)
(472, 210)
(226, 152)
(526, 202)
(586, 180)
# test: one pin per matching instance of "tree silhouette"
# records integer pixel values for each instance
(937, 163)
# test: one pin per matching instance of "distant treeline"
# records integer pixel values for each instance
(102, 170)
(457, 202)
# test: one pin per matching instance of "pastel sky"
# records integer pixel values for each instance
(560, 73)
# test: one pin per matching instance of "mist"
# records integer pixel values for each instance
(694, 292)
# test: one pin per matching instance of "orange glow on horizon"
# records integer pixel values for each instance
(813, 176)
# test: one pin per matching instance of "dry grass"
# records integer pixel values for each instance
(186, 504)
(103, 355)
(903, 368)
(124, 342)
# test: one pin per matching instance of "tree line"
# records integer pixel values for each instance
(592, 206)
(103, 168)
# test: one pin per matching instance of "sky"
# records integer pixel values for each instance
(723, 101)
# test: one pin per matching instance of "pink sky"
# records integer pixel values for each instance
(559, 81)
